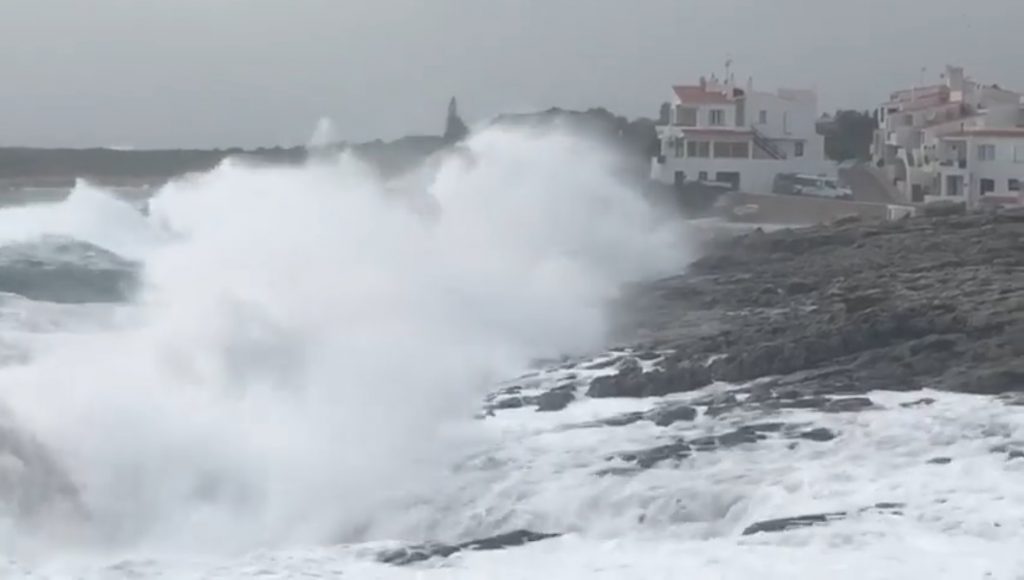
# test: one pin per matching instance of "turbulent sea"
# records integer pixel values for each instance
(278, 373)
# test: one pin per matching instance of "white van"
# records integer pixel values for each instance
(816, 185)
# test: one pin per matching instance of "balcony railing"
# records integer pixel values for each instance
(961, 163)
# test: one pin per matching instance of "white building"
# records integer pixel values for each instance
(980, 167)
(927, 137)
(717, 131)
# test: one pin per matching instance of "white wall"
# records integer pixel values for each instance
(1001, 169)
(788, 118)
(756, 175)
(704, 113)
(792, 115)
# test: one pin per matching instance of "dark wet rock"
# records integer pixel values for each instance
(819, 434)
(647, 458)
(1006, 378)
(666, 415)
(506, 403)
(741, 436)
(715, 399)
(555, 400)
(799, 403)
(633, 381)
(925, 402)
(886, 506)
(604, 364)
(783, 524)
(848, 405)
(798, 287)
(618, 471)
(747, 434)
(56, 269)
(844, 309)
(940, 461)
(423, 552)
(765, 427)
(804, 521)
(718, 404)
(1011, 450)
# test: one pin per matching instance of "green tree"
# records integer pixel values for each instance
(848, 135)
(665, 114)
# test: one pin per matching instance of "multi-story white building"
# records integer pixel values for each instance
(979, 167)
(928, 139)
(716, 131)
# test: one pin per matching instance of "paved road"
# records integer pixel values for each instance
(866, 186)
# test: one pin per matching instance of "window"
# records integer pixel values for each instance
(988, 186)
(716, 117)
(730, 177)
(1018, 153)
(702, 176)
(916, 193)
(738, 150)
(680, 146)
(762, 117)
(698, 149)
(986, 152)
(680, 178)
(686, 116)
(799, 149)
(1013, 184)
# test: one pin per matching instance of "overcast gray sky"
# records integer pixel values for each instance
(159, 73)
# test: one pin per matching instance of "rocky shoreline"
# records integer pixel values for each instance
(816, 321)
(929, 302)
(772, 342)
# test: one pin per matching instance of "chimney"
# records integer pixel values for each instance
(703, 82)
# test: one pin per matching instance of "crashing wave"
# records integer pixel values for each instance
(60, 269)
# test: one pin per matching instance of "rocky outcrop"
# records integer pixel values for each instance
(632, 380)
(679, 448)
(805, 521)
(420, 553)
(556, 399)
(840, 310)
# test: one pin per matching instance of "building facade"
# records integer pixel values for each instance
(928, 140)
(980, 167)
(717, 132)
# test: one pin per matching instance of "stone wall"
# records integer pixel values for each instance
(801, 210)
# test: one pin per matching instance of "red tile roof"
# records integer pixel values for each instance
(699, 95)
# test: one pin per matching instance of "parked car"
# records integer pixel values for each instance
(815, 185)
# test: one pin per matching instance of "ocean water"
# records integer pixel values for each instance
(292, 385)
